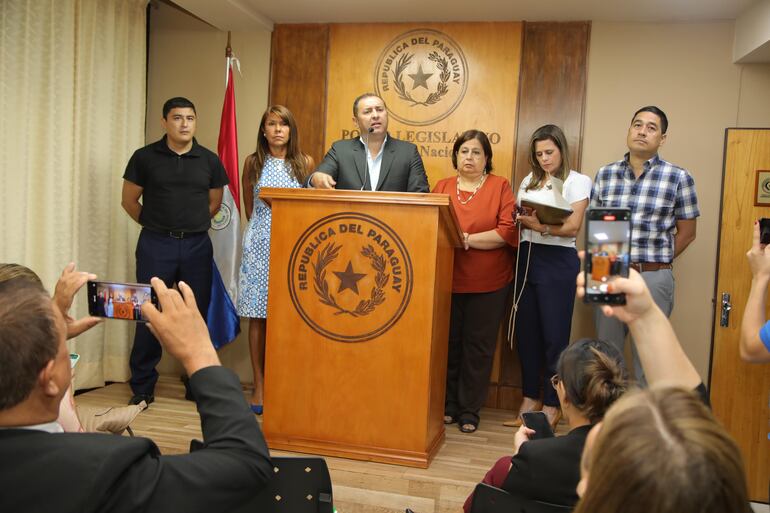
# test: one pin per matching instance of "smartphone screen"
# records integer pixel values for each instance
(764, 231)
(537, 421)
(114, 300)
(608, 253)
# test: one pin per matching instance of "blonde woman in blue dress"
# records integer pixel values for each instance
(277, 162)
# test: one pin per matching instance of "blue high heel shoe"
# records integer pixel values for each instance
(256, 408)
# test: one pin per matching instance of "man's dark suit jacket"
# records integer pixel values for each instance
(402, 169)
(548, 469)
(83, 472)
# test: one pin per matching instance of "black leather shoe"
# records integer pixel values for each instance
(138, 398)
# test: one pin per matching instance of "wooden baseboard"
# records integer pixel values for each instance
(356, 452)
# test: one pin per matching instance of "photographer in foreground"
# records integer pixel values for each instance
(47, 470)
(659, 449)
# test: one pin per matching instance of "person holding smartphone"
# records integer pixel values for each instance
(591, 377)
(44, 469)
(755, 330)
(547, 265)
(663, 439)
(664, 210)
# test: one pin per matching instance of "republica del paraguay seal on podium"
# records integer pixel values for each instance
(350, 265)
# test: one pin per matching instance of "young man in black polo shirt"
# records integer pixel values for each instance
(181, 185)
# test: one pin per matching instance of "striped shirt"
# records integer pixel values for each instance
(663, 194)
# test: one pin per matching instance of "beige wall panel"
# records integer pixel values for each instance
(187, 58)
(754, 106)
(492, 53)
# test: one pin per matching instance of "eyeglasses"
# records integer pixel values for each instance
(555, 380)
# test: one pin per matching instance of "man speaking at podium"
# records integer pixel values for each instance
(374, 161)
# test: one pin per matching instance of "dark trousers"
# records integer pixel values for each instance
(172, 260)
(544, 316)
(473, 328)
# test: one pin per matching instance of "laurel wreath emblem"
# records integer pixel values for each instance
(441, 90)
(326, 256)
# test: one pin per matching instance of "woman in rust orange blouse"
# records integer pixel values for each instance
(482, 276)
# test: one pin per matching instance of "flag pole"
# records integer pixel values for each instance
(225, 233)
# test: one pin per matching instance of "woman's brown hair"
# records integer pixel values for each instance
(662, 450)
(548, 133)
(593, 376)
(294, 156)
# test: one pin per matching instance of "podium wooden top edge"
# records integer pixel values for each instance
(267, 194)
(424, 199)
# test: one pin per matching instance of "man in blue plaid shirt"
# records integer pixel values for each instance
(664, 208)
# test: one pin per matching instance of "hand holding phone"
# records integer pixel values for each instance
(607, 254)
(764, 231)
(69, 283)
(759, 253)
(180, 328)
(639, 302)
(538, 422)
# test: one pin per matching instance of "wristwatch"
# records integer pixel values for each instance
(547, 231)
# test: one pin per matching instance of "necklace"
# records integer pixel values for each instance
(475, 190)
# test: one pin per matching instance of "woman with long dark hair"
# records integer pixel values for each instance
(277, 162)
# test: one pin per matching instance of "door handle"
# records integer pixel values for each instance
(724, 318)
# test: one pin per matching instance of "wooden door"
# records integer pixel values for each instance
(740, 392)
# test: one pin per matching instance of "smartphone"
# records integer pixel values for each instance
(764, 231)
(114, 300)
(608, 253)
(537, 421)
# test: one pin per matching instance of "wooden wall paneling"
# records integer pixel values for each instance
(552, 87)
(364, 57)
(298, 80)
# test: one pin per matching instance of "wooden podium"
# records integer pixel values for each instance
(358, 319)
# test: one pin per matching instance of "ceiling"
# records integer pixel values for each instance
(752, 29)
(237, 14)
